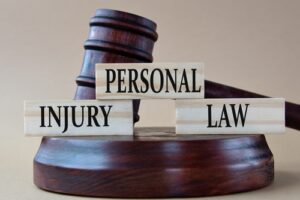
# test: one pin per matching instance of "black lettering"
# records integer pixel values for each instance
(240, 114)
(42, 116)
(105, 114)
(224, 116)
(92, 116)
(53, 114)
(171, 79)
(133, 75)
(66, 119)
(74, 116)
(209, 117)
(184, 82)
(195, 82)
(144, 80)
(152, 78)
(121, 80)
(110, 79)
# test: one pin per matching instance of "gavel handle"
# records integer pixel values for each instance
(217, 90)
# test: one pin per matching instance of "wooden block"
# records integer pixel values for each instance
(78, 118)
(149, 80)
(230, 116)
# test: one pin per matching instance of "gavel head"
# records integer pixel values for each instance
(115, 37)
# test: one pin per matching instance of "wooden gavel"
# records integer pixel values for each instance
(108, 44)
(217, 90)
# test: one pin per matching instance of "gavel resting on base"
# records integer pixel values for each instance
(217, 90)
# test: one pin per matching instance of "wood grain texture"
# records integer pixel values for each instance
(149, 80)
(230, 116)
(143, 167)
(78, 118)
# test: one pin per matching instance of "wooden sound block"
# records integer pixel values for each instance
(154, 163)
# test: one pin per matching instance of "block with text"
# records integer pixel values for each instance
(78, 118)
(149, 80)
(230, 116)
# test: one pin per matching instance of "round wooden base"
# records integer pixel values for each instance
(155, 163)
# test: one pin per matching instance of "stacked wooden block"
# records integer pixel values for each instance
(118, 84)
